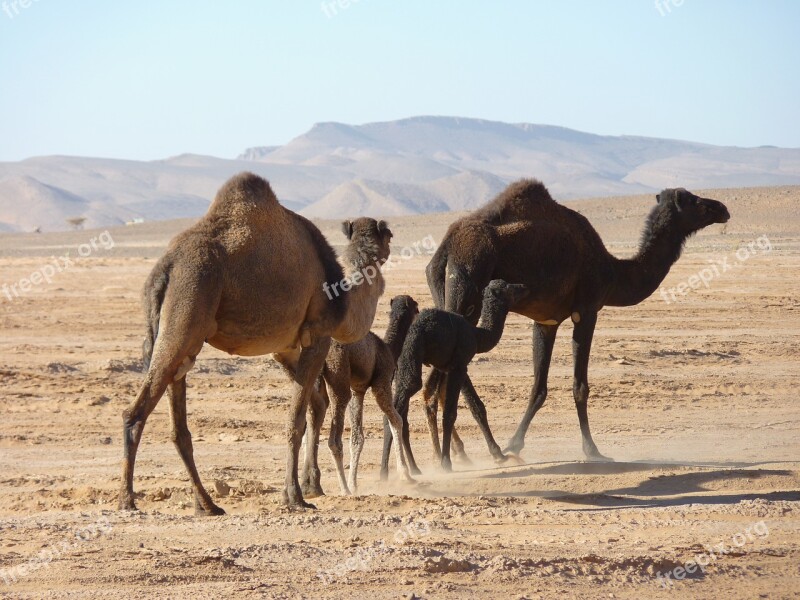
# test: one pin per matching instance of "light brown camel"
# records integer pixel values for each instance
(248, 279)
(524, 236)
(362, 259)
(363, 365)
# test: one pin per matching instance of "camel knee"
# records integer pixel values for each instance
(180, 436)
(357, 437)
(336, 447)
(580, 390)
(431, 407)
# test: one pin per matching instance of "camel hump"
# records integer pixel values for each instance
(521, 199)
(243, 192)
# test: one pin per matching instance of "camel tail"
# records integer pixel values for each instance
(154, 291)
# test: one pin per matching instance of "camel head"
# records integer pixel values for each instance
(691, 213)
(370, 237)
(401, 306)
(504, 294)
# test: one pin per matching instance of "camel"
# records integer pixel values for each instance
(363, 257)
(363, 365)
(447, 342)
(524, 236)
(250, 278)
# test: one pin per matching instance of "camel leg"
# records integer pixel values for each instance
(311, 474)
(133, 420)
(455, 379)
(431, 395)
(383, 396)
(182, 438)
(406, 385)
(340, 396)
(401, 402)
(581, 347)
(457, 446)
(544, 337)
(478, 410)
(309, 367)
(356, 437)
(317, 405)
(387, 448)
(406, 435)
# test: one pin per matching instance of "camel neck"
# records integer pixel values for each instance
(395, 335)
(363, 288)
(490, 329)
(638, 277)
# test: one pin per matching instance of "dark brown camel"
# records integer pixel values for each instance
(447, 342)
(251, 278)
(524, 236)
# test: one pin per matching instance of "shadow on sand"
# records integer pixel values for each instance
(662, 488)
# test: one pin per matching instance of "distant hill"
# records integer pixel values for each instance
(415, 165)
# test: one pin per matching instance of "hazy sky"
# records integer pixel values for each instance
(151, 79)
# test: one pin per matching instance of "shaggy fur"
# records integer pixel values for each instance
(523, 236)
(366, 364)
(447, 342)
(248, 279)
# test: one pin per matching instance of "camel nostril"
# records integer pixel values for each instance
(469, 311)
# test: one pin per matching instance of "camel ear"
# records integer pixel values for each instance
(665, 196)
(347, 229)
(383, 229)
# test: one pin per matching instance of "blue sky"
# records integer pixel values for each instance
(148, 80)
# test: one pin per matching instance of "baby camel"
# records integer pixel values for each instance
(447, 342)
(366, 364)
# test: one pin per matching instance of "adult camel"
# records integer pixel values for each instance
(250, 278)
(524, 236)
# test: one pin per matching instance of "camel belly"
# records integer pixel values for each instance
(274, 341)
(543, 312)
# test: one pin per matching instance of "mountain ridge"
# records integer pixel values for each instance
(386, 168)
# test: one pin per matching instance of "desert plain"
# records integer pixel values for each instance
(693, 394)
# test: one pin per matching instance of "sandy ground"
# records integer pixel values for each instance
(695, 398)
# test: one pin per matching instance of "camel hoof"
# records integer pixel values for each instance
(384, 475)
(511, 458)
(296, 501)
(126, 502)
(212, 511)
(514, 448)
(410, 481)
(415, 471)
(599, 458)
(447, 466)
